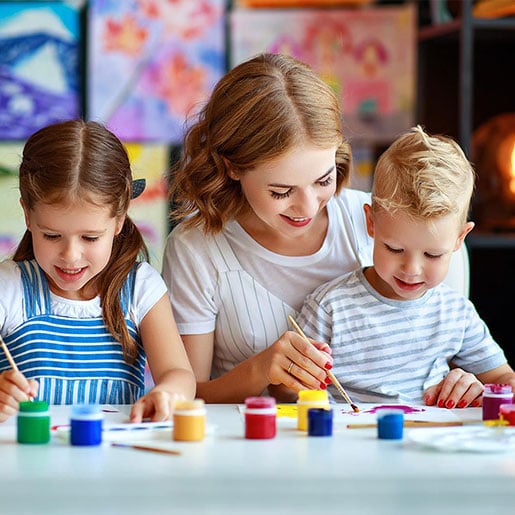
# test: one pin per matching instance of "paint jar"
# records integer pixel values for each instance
(507, 413)
(390, 424)
(260, 418)
(33, 423)
(189, 421)
(320, 422)
(86, 425)
(310, 399)
(493, 396)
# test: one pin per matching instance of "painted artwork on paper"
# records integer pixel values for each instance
(149, 211)
(152, 63)
(368, 56)
(12, 223)
(39, 66)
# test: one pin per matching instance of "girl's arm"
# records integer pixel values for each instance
(168, 362)
(252, 376)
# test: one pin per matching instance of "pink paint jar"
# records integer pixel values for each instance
(507, 413)
(493, 396)
(260, 418)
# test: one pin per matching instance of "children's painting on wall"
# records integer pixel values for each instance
(39, 72)
(162, 60)
(12, 223)
(367, 55)
(149, 211)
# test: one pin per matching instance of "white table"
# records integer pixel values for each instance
(351, 472)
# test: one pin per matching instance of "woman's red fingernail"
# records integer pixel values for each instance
(462, 403)
(328, 380)
(475, 404)
(328, 365)
(323, 386)
(441, 403)
(450, 404)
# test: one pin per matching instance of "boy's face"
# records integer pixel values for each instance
(411, 256)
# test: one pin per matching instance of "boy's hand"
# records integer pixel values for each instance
(458, 389)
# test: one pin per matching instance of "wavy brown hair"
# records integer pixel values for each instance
(258, 111)
(78, 160)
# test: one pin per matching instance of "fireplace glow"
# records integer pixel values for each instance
(512, 170)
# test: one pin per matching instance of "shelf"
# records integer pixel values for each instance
(431, 32)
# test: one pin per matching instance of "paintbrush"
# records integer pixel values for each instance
(146, 448)
(8, 355)
(10, 359)
(333, 378)
(420, 423)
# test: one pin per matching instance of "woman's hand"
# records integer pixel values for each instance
(296, 364)
(458, 389)
(157, 405)
(15, 388)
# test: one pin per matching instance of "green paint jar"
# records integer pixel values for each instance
(33, 422)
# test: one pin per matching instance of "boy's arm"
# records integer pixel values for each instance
(500, 375)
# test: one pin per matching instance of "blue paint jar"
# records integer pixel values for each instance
(320, 422)
(86, 425)
(390, 424)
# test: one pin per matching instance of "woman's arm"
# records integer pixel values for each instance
(168, 362)
(252, 376)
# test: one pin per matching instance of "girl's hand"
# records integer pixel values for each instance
(157, 405)
(458, 389)
(296, 364)
(14, 388)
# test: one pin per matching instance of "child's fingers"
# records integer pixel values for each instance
(15, 385)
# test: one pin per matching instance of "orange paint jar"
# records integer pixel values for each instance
(189, 421)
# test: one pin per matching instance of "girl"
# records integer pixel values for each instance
(78, 312)
(265, 219)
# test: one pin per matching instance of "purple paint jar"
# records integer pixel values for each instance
(493, 396)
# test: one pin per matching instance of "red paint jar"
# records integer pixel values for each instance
(493, 396)
(260, 418)
(507, 413)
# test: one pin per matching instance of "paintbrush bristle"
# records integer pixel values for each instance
(354, 408)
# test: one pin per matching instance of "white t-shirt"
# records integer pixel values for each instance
(148, 289)
(233, 286)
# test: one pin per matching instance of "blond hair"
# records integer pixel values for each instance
(425, 176)
(258, 111)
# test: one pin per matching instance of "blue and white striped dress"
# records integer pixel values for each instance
(75, 360)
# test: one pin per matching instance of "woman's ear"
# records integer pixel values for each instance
(230, 170)
(370, 219)
(25, 214)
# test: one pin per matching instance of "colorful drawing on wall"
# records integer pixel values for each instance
(12, 223)
(163, 59)
(39, 71)
(367, 55)
(150, 210)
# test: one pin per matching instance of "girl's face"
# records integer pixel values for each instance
(72, 244)
(411, 256)
(287, 194)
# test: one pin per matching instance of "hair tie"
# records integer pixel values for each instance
(138, 186)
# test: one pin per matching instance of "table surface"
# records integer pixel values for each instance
(350, 472)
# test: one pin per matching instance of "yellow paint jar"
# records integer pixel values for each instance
(189, 421)
(310, 399)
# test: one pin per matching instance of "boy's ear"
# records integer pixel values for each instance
(370, 219)
(468, 227)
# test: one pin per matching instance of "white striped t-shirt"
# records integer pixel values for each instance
(388, 350)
